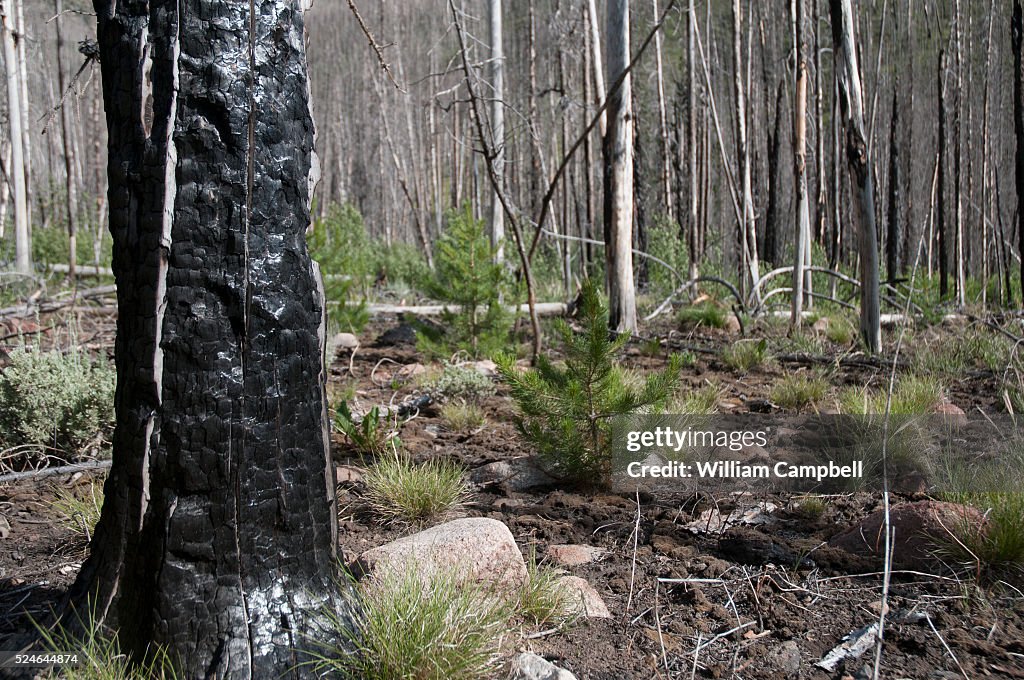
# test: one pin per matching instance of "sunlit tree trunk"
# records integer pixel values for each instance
(497, 123)
(16, 171)
(803, 203)
(70, 190)
(618, 175)
(218, 532)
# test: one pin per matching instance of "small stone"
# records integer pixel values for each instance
(568, 555)
(586, 600)
(348, 474)
(485, 367)
(732, 324)
(787, 658)
(476, 549)
(528, 666)
(346, 341)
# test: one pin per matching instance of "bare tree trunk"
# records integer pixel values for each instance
(892, 238)
(26, 119)
(497, 125)
(16, 171)
(691, 141)
(218, 531)
(748, 226)
(803, 204)
(618, 175)
(71, 192)
(666, 154)
(859, 159)
(1018, 126)
(941, 208)
(595, 43)
(958, 132)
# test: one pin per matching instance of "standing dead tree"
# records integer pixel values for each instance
(858, 156)
(218, 537)
(1017, 31)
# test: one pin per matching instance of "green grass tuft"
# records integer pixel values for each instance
(746, 355)
(707, 314)
(408, 630)
(399, 491)
(460, 416)
(80, 515)
(800, 390)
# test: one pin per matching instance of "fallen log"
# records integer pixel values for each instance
(543, 308)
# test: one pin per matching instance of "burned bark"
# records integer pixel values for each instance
(217, 538)
(1018, 126)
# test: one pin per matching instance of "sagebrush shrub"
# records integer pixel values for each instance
(56, 403)
(566, 410)
(457, 381)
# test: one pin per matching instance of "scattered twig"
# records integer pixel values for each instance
(54, 471)
(374, 45)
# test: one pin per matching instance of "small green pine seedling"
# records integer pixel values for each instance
(447, 628)
(467, 278)
(798, 391)
(565, 411)
(80, 515)
(399, 491)
(369, 435)
(746, 355)
(707, 314)
(460, 416)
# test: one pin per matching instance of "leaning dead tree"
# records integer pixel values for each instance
(218, 533)
(859, 159)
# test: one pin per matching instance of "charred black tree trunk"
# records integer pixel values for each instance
(1018, 127)
(771, 223)
(892, 240)
(217, 538)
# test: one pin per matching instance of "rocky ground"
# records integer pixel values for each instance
(677, 586)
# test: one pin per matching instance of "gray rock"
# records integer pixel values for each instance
(569, 555)
(787, 658)
(477, 549)
(529, 666)
(518, 474)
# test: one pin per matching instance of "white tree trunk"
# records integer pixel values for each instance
(618, 175)
(748, 226)
(595, 42)
(803, 214)
(22, 245)
(497, 125)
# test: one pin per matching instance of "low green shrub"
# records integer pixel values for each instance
(55, 403)
(457, 381)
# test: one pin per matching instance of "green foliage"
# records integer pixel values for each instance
(993, 549)
(665, 239)
(458, 381)
(341, 247)
(975, 348)
(411, 630)
(746, 355)
(369, 434)
(707, 314)
(566, 411)
(55, 403)
(840, 330)
(799, 390)
(471, 284)
(397, 490)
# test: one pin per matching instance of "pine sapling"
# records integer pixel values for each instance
(566, 410)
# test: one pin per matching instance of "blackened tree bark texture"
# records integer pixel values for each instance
(1017, 38)
(217, 538)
